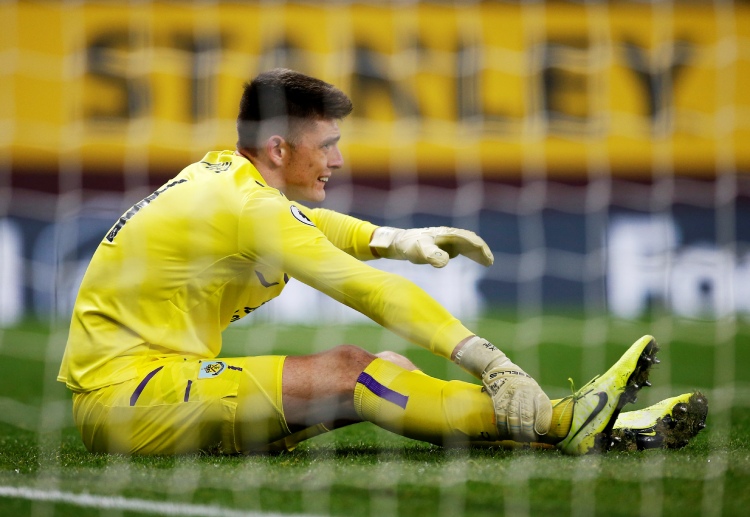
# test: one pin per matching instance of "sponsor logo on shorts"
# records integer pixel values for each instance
(211, 369)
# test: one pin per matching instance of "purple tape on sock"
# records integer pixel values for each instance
(381, 391)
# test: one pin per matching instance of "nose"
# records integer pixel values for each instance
(335, 158)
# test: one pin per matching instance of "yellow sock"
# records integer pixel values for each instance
(562, 417)
(418, 406)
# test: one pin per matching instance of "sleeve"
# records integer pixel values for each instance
(347, 233)
(278, 234)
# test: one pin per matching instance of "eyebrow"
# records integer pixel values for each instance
(331, 140)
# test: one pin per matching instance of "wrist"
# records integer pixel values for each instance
(382, 238)
(476, 355)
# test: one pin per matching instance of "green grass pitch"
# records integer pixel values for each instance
(362, 470)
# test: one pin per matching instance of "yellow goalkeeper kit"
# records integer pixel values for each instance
(207, 248)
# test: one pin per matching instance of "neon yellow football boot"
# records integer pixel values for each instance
(669, 424)
(598, 404)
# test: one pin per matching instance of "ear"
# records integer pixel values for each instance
(276, 150)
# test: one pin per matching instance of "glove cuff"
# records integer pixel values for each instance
(383, 237)
(479, 355)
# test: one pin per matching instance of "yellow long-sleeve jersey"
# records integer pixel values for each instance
(212, 245)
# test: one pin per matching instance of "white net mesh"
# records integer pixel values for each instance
(599, 147)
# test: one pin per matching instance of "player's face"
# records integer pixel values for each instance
(312, 160)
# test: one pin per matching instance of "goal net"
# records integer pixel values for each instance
(600, 148)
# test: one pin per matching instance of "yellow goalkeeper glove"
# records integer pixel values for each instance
(434, 246)
(523, 411)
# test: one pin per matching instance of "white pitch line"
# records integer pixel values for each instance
(132, 505)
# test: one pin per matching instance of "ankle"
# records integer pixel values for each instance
(562, 417)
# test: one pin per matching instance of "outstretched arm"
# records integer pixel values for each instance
(305, 253)
(434, 245)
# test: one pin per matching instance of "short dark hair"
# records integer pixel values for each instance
(281, 101)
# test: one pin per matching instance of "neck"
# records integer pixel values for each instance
(272, 178)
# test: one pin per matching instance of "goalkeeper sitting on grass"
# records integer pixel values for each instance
(225, 236)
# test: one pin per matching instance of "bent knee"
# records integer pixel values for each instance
(351, 354)
(397, 359)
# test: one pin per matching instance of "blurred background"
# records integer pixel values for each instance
(601, 148)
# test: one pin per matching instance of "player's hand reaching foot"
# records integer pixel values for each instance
(523, 411)
(434, 246)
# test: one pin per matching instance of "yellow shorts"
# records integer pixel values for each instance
(178, 405)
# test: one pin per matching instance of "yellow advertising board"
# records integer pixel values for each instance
(499, 87)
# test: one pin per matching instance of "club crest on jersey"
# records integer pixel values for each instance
(211, 369)
(297, 213)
